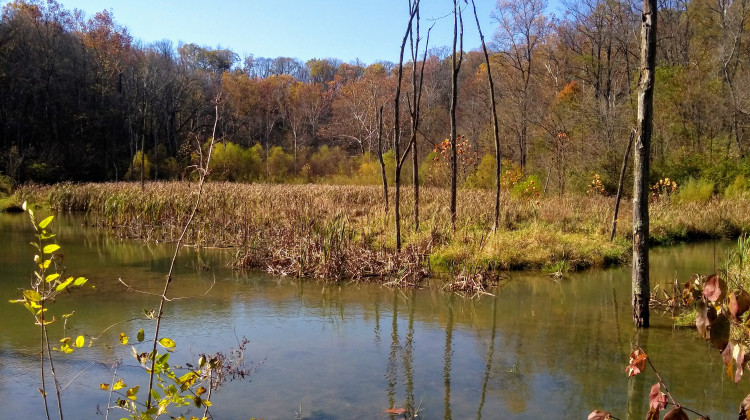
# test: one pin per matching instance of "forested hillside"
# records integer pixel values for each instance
(81, 100)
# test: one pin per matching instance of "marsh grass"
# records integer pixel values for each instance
(341, 232)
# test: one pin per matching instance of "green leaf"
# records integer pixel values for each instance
(50, 248)
(131, 392)
(64, 284)
(51, 277)
(167, 343)
(32, 295)
(139, 336)
(155, 395)
(80, 281)
(80, 341)
(43, 224)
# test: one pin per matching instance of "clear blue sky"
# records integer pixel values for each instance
(370, 30)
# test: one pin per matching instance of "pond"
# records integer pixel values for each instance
(539, 348)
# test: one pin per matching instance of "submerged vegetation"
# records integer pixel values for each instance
(342, 232)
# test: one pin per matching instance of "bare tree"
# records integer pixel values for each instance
(498, 155)
(413, 11)
(641, 287)
(522, 27)
(414, 108)
(456, 60)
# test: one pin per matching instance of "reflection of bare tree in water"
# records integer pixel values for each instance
(377, 323)
(490, 354)
(448, 357)
(391, 373)
(407, 356)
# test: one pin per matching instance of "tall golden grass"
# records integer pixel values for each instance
(342, 232)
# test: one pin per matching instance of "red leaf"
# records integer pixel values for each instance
(637, 362)
(726, 355)
(396, 411)
(676, 414)
(599, 415)
(715, 288)
(657, 400)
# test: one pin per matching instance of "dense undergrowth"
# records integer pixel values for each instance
(342, 232)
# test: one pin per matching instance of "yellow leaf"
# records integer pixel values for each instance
(50, 248)
(80, 341)
(118, 385)
(124, 339)
(131, 392)
(51, 277)
(104, 386)
(167, 343)
(43, 224)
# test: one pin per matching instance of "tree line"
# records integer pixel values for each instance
(84, 101)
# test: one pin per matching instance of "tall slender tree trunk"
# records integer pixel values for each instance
(641, 286)
(498, 154)
(456, 66)
(397, 127)
(380, 158)
(619, 186)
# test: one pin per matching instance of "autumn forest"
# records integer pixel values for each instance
(82, 99)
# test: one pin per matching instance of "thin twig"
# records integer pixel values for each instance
(203, 171)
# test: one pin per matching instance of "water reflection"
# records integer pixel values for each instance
(351, 351)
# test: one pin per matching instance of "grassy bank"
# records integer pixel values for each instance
(338, 232)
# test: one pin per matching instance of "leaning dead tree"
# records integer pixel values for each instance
(641, 286)
(498, 154)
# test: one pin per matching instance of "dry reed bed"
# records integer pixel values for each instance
(342, 232)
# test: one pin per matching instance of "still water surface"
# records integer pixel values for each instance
(538, 349)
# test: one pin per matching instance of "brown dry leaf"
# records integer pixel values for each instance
(676, 414)
(715, 288)
(657, 400)
(744, 407)
(719, 332)
(701, 318)
(652, 414)
(637, 362)
(599, 415)
(739, 303)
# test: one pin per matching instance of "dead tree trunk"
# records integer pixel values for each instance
(457, 58)
(641, 287)
(414, 109)
(413, 9)
(498, 155)
(380, 157)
